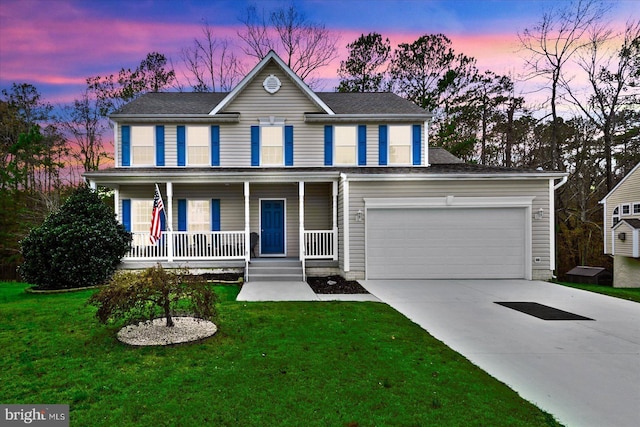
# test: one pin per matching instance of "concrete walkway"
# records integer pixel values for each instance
(292, 291)
(585, 373)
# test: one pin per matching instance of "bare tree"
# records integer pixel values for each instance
(551, 43)
(303, 45)
(211, 63)
(614, 76)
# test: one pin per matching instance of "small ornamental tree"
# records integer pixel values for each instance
(79, 245)
(155, 292)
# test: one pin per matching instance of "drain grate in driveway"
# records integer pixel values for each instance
(541, 311)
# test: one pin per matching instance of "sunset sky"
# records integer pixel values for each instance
(56, 44)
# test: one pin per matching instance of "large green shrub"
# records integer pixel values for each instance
(79, 245)
(153, 293)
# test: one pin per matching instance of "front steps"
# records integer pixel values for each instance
(275, 270)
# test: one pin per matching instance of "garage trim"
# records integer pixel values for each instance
(449, 202)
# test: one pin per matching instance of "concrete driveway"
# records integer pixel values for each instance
(585, 373)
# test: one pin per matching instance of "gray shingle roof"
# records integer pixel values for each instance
(179, 103)
(369, 103)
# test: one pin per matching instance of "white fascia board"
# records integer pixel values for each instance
(448, 202)
(257, 69)
(446, 177)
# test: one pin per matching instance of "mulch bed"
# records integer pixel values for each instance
(221, 277)
(335, 285)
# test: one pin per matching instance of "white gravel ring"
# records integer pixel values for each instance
(155, 332)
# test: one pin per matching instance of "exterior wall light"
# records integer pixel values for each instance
(539, 214)
(359, 216)
(622, 236)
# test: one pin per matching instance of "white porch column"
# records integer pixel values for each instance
(345, 222)
(334, 222)
(247, 236)
(301, 248)
(169, 217)
(426, 142)
(116, 203)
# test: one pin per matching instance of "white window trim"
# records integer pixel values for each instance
(633, 208)
(271, 121)
(186, 148)
(389, 162)
(355, 145)
(628, 206)
(133, 139)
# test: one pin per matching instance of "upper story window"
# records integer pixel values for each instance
(345, 142)
(198, 146)
(400, 145)
(626, 209)
(636, 208)
(272, 145)
(142, 146)
(615, 217)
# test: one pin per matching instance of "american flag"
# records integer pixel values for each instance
(156, 230)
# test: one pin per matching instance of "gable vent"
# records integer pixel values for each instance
(271, 84)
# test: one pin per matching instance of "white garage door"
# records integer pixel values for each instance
(446, 243)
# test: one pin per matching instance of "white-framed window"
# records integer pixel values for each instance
(636, 208)
(346, 145)
(615, 217)
(141, 215)
(626, 209)
(400, 145)
(199, 215)
(143, 145)
(198, 146)
(272, 145)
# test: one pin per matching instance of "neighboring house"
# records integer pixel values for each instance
(622, 229)
(343, 183)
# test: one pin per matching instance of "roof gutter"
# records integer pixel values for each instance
(364, 118)
(561, 183)
(175, 118)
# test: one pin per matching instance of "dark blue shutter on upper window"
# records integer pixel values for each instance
(182, 146)
(126, 146)
(255, 145)
(126, 214)
(362, 145)
(215, 145)
(159, 145)
(215, 215)
(182, 215)
(382, 145)
(417, 146)
(328, 145)
(288, 145)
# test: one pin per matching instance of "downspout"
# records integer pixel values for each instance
(552, 221)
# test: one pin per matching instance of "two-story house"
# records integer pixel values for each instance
(622, 229)
(342, 183)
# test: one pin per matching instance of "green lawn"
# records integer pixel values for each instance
(632, 294)
(313, 363)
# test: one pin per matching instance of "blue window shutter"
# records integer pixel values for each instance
(382, 145)
(255, 145)
(215, 215)
(328, 145)
(215, 145)
(182, 215)
(126, 214)
(417, 147)
(362, 145)
(288, 145)
(159, 145)
(126, 145)
(182, 146)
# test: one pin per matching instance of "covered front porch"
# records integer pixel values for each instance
(249, 219)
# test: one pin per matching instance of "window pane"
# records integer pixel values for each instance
(626, 209)
(345, 138)
(142, 145)
(271, 139)
(636, 208)
(198, 145)
(198, 215)
(400, 145)
(141, 215)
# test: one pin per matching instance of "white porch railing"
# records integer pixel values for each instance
(189, 245)
(320, 244)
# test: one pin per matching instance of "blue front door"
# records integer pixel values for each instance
(272, 220)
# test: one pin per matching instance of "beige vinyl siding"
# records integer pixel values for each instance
(460, 188)
(623, 247)
(318, 211)
(288, 103)
(627, 193)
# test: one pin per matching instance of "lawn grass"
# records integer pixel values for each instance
(631, 294)
(293, 363)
